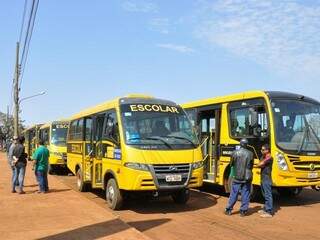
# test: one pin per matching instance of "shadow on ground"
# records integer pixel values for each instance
(94, 231)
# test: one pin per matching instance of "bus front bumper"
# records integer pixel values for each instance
(297, 179)
(137, 180)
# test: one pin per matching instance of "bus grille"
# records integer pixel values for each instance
(307, 165)
(300, 165)
(163, 170)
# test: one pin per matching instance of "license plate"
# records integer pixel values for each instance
(313, 175)
(173, 178)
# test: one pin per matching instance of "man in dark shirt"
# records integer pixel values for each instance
(20, 163)
(242, 164)
(266, 181)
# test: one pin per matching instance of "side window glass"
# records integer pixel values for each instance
(111, 128)
(88, 129)
(79, 130)
(72, 129)
(192, 114)
(249, 122)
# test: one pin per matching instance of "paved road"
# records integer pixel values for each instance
(203, 218)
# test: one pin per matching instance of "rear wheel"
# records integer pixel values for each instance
(113, 195)
(181, 196)
(82, 186)
(289, 191)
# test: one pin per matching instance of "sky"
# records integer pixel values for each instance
(83, 53)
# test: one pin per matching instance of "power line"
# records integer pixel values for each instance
(27, 31)
(28, 37)
(23, 19)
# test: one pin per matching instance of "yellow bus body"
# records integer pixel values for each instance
(95, 166)
(302, 169)
(57, 149)
(31, 136)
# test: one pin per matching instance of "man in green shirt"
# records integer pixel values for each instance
(41, 159)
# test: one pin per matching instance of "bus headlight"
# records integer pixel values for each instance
(137, 166)
(282, 163)
(197, 165)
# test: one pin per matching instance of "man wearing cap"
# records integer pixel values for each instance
(14, 181)
(242, 164)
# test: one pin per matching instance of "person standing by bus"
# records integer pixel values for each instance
(41, 162)
(242, 164)
(266, 182)
(14, 180)
(19, 162)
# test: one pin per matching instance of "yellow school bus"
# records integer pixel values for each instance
(289, 123)
(31, 135)
(135, 144)
(54, 134)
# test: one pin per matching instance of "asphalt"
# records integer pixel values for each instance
(60, 214)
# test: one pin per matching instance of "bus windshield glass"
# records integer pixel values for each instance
(59, 134)
(297, 125)
(157, 126)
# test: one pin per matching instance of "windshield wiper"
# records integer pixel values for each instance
(306, 134)
(151, 138)
(183, 138)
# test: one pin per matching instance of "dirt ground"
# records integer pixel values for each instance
(203, 218)
(60, 214)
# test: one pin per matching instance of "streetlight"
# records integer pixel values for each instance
(32, 96)
(25, 98)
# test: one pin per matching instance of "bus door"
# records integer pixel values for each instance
(209, 121)
(108, 152)
(98, 150)
(86, 125)
(249, 119)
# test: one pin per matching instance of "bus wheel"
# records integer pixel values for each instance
(51, 169)
(255, 192)
(181, 196)
(113, 195)
(82, 187)
(289, 191)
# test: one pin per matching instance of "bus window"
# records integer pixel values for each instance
(76, 130)
(192, 114)
(111, 129)
(88, 129)
(248, 121)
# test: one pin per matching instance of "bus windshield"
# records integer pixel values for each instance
(157, 126)
(297, 125)
(59, 134)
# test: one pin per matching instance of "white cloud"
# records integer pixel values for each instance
(283, 35)
(160, 25)
(178, 48)
(143, 6)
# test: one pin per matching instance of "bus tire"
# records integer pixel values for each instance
(51, 169)
(113, 195)
(289, 191)
(181, 196)
(255, 193)
(82, 186)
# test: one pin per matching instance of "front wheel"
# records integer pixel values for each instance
(181, 196)
(289, 191)
(113, 195)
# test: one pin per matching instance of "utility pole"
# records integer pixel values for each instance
(16, 94)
